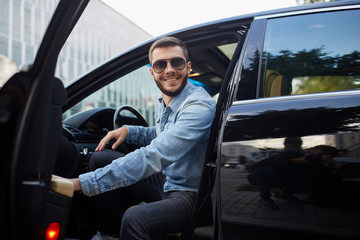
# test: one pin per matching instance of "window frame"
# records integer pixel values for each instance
(266, 18)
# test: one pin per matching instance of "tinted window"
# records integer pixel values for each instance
(311, 53)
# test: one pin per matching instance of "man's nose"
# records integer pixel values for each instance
(169, 67)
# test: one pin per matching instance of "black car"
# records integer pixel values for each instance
(292, 72)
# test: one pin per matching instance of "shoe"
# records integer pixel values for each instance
(103, 236)
(286, 196)
(268, 203)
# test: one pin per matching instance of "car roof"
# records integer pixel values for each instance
(270, 13)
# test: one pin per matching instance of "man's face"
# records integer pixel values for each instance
(171, 81)
(316, 155)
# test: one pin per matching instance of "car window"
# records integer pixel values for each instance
(311, 53)
(136, 89)
(22, 26)
(101, 33)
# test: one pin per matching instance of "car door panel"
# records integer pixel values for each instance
(256, 129)
(289, 54)
(32, 127)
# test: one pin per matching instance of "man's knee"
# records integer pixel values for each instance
(132, 224)
(263, 173)
(131, 216)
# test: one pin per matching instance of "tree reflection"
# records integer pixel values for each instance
(316, 70)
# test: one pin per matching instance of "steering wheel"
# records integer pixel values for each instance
(139, 117)
(123, 147)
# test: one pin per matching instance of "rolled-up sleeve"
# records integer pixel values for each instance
(140, 135)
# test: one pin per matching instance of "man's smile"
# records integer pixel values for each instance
(171, 79)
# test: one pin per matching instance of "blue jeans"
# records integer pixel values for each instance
(154, 220)
(262, 177)
(265, 177)
(162, 212)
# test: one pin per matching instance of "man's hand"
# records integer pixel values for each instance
(118, 134)
(75, 182)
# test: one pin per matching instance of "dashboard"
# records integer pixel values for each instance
(81, 134)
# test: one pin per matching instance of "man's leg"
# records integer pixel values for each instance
(110, 206)
(262, 178)
(170, 215)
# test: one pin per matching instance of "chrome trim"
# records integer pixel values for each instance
(299, 12)
(211, 164)
(33, 183)
(296, 97)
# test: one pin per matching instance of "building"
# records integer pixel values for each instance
(100, 34)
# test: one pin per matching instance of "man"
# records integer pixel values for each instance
(293, 171)
(175, 146)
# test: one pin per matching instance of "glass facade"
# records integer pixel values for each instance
(22, 25)
(100, 34)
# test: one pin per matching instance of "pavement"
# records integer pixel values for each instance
(240, 208)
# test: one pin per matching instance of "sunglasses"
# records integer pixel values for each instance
(177, 62)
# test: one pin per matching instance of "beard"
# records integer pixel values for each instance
(172, 93)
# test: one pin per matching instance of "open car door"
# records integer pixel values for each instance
(30, 125)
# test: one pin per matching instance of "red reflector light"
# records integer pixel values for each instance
(52, 231)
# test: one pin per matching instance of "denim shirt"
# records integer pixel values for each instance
(176, 146)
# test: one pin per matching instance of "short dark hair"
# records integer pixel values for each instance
(168, 42)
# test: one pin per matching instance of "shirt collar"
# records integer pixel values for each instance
(178, 100)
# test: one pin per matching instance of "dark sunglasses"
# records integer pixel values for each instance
(177, 62)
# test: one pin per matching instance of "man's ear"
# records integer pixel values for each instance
(152, 73)
(189, 67)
